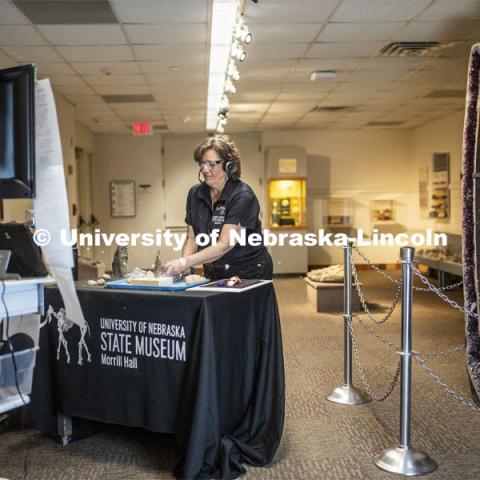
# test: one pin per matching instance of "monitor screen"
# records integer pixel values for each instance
(17, 132)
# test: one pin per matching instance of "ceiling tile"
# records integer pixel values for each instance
(74, 90)
(67, 12)
(85, 99)
(165, 11)
(33, 54)
(174, 65)
(359, 32)
(96, 80)
(451, 11)
(83, 34)
(92, 54)
(9, 15)
(20, 35)
(57, 80)
(285, 50)
(283, 33)
(167, 34)
(171, 53)
(343, 50)
(437, 31)
(379, 10)
(122, 90)
(288, 12)
(46, 69)
(310, 64)
(98, 68)
(177, 77)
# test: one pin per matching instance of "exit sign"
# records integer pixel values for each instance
(142, 128)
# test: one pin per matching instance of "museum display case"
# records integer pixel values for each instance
(287, 203)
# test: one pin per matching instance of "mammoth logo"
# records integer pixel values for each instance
(63, 325)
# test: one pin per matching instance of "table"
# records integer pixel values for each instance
(205, 366)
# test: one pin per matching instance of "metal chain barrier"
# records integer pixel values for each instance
(439, 381)
(391, 386)
(384, 340)
(444, 297)
(398, 282)
(363, 301)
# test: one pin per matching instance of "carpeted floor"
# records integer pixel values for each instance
(321, 440)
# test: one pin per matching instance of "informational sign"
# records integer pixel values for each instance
(287, 165)
(441, 170)
(142, 128)
(122, 198)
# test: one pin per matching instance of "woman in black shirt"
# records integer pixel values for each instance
(222, 203)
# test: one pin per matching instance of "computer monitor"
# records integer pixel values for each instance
(17, 132)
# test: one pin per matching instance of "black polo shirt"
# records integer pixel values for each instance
(237, 204)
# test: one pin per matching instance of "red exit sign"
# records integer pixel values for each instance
(142, 128)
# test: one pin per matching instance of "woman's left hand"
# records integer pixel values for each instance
(175, 267)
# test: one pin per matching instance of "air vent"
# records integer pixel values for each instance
(160, 127)
(384, 124)
(446, 94)
(147, 98)
(408, 49)
(335, 108)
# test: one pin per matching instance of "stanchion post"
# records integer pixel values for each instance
(347, 394)
(404, 459)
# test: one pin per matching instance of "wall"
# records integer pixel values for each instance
(442, 135)
(356, 164)
(123, 157)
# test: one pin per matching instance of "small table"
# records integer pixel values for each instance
(204, 366)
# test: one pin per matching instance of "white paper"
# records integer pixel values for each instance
(51, 203)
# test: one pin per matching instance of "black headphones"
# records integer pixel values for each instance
(229, 166)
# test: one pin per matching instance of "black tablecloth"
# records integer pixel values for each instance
(207, 367)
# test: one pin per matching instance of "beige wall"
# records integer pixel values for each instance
(123, 157)
(442, 135)
(358, 164)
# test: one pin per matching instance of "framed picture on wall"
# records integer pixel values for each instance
(382, 210)
(122, 198)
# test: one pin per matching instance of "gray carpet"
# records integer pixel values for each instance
(321, 440)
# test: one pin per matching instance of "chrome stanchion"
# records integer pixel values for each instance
(347, 394)
(404, 459)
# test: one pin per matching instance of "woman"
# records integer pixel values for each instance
(224, 203)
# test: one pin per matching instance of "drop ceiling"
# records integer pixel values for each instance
(151, 58)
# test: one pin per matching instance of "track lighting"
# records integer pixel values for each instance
(229, 86)
(242, 34)
(233, 72)
(238, 53)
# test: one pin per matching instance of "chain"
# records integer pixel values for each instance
(436, 290)
(456, 396)
(440, 354)
(398, 282)
(370, 330)
(391, 386)
(362, 298)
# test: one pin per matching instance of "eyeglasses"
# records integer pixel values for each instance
(210, 164)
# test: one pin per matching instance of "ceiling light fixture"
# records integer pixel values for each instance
(322, 75)
(238, 53)
(224, 17)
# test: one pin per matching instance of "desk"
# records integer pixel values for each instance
(205, 366)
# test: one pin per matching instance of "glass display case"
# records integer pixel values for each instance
(339, 212)
(287, 203)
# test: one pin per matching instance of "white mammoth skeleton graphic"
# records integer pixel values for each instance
(63, 325)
